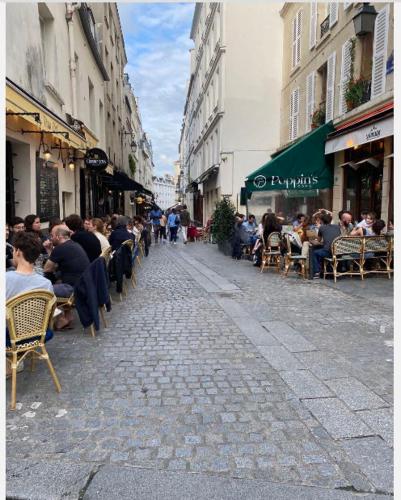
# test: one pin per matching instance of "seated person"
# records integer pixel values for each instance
(362, 222)
(86, 239)
(70, 260)
(120, 233)
(17, 225)
(9, 251)
(271, 224)
(250, 228)
(96, 226)
(327, 233)
(345, 223)
(298, 222)
(365, 227)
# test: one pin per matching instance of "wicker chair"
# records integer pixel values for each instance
(290, 259)
(349, 251)
(271, 251)
(28, 315)
(380, 249)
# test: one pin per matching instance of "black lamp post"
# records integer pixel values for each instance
(364, 20)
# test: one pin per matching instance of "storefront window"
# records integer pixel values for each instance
(363, 189)
(289, 203)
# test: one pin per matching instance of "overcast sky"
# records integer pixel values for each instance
(157, 45)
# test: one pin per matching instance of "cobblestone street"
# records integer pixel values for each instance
(260, 386)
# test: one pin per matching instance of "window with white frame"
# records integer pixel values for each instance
(310, 99)
(296, 39)
(346, 63)
(333, 13)
(380, 52)
(313, 24)
(294, 113)
(331, 76)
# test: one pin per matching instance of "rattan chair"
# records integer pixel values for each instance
(380, 250)
(348, 251)
(290, 259)
(271, 251)
(29, 315)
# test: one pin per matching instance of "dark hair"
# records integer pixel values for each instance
(16, 220)
(74, 222)
(271, 225)
(300, 215)
(251, 215)
(378, 226)
(29, 244)
(372, 215)
(340, 213)
(173, 210)
(326, 218)
(364, 212)
(54, 221)
(184, 207)
(29, 220)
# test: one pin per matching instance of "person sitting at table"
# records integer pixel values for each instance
(96, 227)
(17, 225)
(10, 265)
(345, 224)
(87, 223)
(327, 233)
(365, 224)
(373, 229)
(87, 240)
(120, 233)
(362, 221)
(270, 225)
(298, 221)
(250, 227)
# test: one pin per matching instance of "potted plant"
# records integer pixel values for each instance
(318, 116)
(223, 225)
(357, 92)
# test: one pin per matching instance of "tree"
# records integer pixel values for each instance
(223, 221)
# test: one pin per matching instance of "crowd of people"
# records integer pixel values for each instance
(314, 233)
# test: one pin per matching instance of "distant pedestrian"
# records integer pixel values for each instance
(155, 215)
(163, 228)
(173, 223)
(185, 222)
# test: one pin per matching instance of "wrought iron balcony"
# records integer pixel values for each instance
(324, 27)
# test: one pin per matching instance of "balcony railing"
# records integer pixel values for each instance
(324, 27)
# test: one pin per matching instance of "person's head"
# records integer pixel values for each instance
(251, 218)
(364, 214)
(300, 218)
(97, 225)
(378, 226)
(340, 214)
(346, 217)
(26, 248)
(184, 207)
(88, 223)
(264, 217)
(17, 224)
(121, 221)
(326, 218)
(74, 223)
(54, 221)
(32, 223)
(60, 234)
(173, 210)
(317, 219)
(370, 218)
(271, 224)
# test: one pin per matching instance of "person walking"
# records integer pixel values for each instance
(155, 215)
(163, 228)
(185, 221)
(173, 223)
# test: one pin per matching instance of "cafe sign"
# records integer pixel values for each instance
(96, 159)
(274, 182)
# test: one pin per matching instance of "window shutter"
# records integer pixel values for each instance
(347, 5)
(313, 23)
(310, 99)
(295, 113)
(331, 75)
(380, 53)
(291, 115)
(294, 42)
(345, 75)
(333, 13)
(298, 42)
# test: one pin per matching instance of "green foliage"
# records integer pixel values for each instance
(319, 116)
(356, 90)
(132, 165)
(223, 220)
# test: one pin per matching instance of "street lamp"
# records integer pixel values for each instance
(364, 20)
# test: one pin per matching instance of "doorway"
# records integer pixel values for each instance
(363, 189)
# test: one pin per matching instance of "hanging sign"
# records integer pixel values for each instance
(96, 159)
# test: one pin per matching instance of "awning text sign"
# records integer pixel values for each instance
(369, 133)
(276, 182)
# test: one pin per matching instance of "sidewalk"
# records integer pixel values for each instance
(210, 371)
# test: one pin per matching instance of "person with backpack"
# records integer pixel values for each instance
(185, 220)
(173, 223)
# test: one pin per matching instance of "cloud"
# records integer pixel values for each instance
(157, 45)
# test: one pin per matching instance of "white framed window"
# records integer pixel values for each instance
(313, 24)
(310, 99)
(345, 74)
(333, 13)
(296, 39)
(380, 52)
(294, 113)
(331, 77)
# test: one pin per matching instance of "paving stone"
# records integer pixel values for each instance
(336, 418)
(286, 335)
(356, 395)
(280, 358)
(381, 421)
(306, 385)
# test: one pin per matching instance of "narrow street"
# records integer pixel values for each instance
(214, 381)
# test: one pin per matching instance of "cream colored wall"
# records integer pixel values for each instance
(313, 59)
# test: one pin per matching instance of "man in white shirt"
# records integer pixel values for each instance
(27, 249)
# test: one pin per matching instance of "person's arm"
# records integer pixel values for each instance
(357, 231)
(50, 266)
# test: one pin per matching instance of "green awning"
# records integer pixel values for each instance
(302, 166)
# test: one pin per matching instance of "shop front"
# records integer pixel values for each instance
(297, 180)
(363, 164)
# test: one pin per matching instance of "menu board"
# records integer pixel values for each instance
(47, 190)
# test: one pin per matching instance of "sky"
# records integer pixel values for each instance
(157, 44)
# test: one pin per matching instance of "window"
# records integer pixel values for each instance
(294, 112)
(347, 5)
(310, 99)
(346, 63)
(380, 52)
(331, 75)
(92, 118)
(296, 39)
(313, 24)
(333, 13)
(101, 121)
(48, 41)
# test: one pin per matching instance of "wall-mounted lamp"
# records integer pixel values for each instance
(364, 20)
(47, 154)
(71, 164)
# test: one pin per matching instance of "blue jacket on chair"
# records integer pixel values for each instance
(86, 300)
(100, 279)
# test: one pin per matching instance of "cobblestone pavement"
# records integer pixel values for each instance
(212, 368)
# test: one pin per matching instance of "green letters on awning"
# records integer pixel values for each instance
(301, 167)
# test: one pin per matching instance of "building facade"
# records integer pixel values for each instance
(232, 110)
(338, 67)
(64, 95)
(164, 191)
